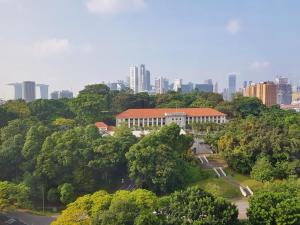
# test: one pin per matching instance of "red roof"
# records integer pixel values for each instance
(102, 125)
(160, 112)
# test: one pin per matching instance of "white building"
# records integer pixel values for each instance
(134, 79)
(177, 84)
(161, 85)
(141, 118)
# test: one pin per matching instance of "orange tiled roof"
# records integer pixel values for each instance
(160, 112)
(101, 125)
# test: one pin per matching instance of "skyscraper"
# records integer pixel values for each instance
(216, 88)
(55, 95)
(284, 91)
(134, 79)
(204, 87)
(177, 84)
(148, 81)
(43, 90)
(209, 81)
(231, 86)
(65, 94)
(142, 78)
(18, 93)
(265, 91)
(161, 85)
(28, 88)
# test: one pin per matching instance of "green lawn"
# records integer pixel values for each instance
(244, 180)
(208, 181)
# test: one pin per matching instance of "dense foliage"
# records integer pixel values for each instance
(158, 161)
(276, 203)
(142, 207)
(268, 144)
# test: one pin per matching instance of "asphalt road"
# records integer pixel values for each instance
(30, 219)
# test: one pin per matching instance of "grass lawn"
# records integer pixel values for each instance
(245, 180)
(208, 181)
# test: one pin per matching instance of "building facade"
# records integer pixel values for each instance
(161, 85)
(204, 88)
(134, 79)
(265, 91)
(44, 91)
(28, 88)
(284, 91)
(231, 86)
(143, 118)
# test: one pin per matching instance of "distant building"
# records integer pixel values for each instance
(225, 94)
(216, 88)
(265, 91)
(161, 85)
(44, 90)
(187, 88)
(296, 97)
(134, 79)
(284, 91)
(295, 107)
(231, 86)
(18, 93)
(204, 87)
(141, 118)
(148, 81)
(28, 88)
(245, 84)
(54, 95)
(117, 86)
(65, 94)
(177, 84)
(209, 81)
(142, 78)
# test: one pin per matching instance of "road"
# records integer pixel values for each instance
(242, 206)
(30, 219)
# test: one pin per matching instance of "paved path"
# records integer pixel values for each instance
(242, 206)
(30, 219)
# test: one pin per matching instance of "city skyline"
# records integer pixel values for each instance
(72, 44)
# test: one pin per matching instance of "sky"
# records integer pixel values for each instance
(70, 43)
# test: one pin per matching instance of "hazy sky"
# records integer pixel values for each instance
(70, 43)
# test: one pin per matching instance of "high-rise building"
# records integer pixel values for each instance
(245, 84)
(231, 86)
(54, 95)
(142, 78)
(65, 94)
(18, 93)
(216, 88)
(28, 88)
(187, 88)
(204, 88)
(161, 85)
(177, 84)
(134, 79)
(209, 81)
(265, 91)
(148, 81)
(43, 90)
(284, 91)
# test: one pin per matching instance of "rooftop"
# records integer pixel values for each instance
(160, 112)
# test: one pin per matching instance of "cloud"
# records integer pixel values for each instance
(257, 65)
(233, 26)
(52, 46)
(114, 6)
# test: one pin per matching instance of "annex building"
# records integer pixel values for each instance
(139, 118)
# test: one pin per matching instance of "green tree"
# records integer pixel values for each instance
(165, 153)
(195, 206)
(276, 203)
(67, 194)
(263, 170)
(13, 195)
